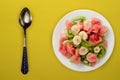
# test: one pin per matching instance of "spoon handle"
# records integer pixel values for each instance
(24, 68)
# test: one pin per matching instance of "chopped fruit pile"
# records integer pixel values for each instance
(83, 40)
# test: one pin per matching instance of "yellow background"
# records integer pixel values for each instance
(43, 64)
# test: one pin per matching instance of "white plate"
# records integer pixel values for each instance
(89, 14)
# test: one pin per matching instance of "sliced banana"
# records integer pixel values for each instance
(75, 29)
(64, 42)
(97, 49)
(83, 35)
(83, 51)
(77, 40)
(87, 23)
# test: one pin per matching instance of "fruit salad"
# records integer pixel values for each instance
(83, 41)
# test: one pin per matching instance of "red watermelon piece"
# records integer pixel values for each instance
(75, 59)
(95, 28)
(80, 24)
(94, 39)
(68, 55)
(86, 28)
(93, 63)
(62, 38)
(68, 24)
(62, 49)
(95, 21)
(72, 51)
(103, 30)
(77, 52)
(70, 48)
(69, 45)
(105, 45)
(92, 57)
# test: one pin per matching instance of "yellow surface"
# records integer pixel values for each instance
(43, 64)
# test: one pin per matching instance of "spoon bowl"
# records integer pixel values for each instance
(25, 18)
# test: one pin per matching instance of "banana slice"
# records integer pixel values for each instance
(64, 42)
(83, 35)
(97, 49)
(83, 51)
(77, 40)
(87, 23)
(75, 29)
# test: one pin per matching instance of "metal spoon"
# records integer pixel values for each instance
(25, 20)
